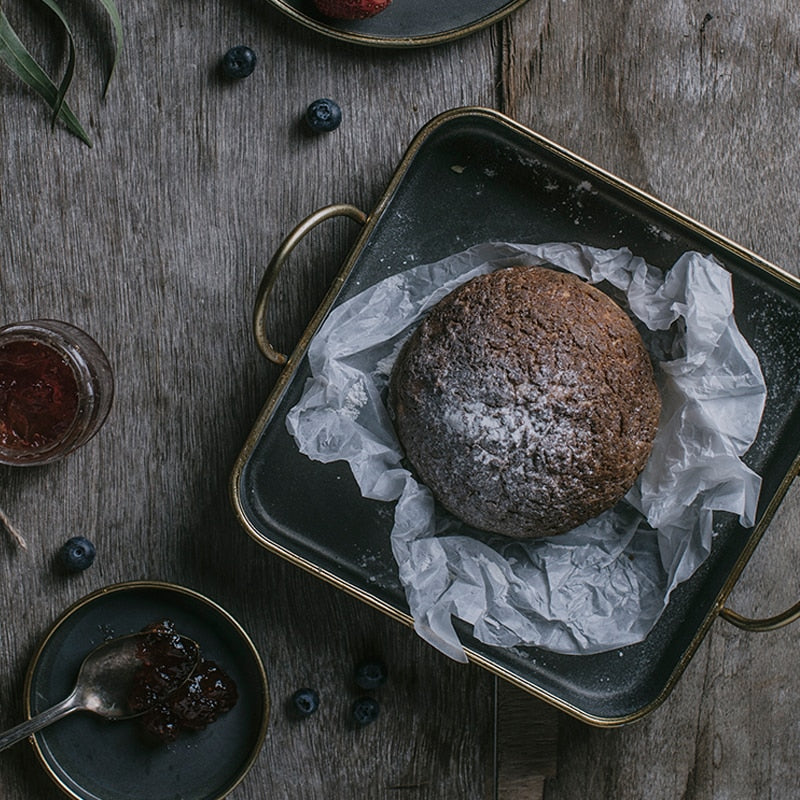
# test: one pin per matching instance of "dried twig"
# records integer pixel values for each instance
(12, 531)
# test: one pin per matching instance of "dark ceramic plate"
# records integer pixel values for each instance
(95, 759)
(405, 23)
(471, 176)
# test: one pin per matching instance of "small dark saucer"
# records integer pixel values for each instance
(90, 758)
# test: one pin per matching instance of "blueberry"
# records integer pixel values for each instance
(238, 62)
(77, 553)
(323, 116)
(370, 674)
(365, 710)
(305, 702)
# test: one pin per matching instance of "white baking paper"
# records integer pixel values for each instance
(604, 584)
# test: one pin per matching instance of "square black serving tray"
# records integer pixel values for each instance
(472, 175)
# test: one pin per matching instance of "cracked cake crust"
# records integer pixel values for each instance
(526, 402)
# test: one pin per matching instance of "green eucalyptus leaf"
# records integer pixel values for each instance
(22, 64)
(67, 79)
(116, 22)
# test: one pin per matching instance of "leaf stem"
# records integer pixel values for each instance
(67, 79)
(22, 64)
(15, 535)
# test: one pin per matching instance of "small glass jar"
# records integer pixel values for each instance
(56, 388)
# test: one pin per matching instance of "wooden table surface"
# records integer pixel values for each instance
(155, 240)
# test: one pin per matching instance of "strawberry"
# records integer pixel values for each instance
(350, 9)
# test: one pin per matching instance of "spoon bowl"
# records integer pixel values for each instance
(103, 686)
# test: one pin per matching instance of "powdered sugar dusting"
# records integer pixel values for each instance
(355, 400)
(497, 432)
(519, 398)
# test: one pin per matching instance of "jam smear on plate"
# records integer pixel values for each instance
(177, 698)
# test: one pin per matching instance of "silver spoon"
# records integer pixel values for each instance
(102, 687)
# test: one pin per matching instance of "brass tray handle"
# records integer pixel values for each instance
(761, 625)
(790, 614)
(274, 267)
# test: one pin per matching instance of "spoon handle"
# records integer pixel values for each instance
(25, 729)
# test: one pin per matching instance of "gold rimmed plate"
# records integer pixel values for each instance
(90, 758)
(404, 23)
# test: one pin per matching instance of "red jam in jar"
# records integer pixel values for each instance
(56, 388)
(38, 395)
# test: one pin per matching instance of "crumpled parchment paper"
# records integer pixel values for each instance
(604, 584)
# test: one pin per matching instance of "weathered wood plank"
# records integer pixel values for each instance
(695, 103)
(154, 241)
(527, 744)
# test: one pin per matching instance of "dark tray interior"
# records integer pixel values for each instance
(472, 177)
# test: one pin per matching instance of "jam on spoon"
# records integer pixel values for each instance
(102, 687)
(178, 692)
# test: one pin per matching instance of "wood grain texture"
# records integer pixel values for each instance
(527, 744)
(695, 103)
(154, 241)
